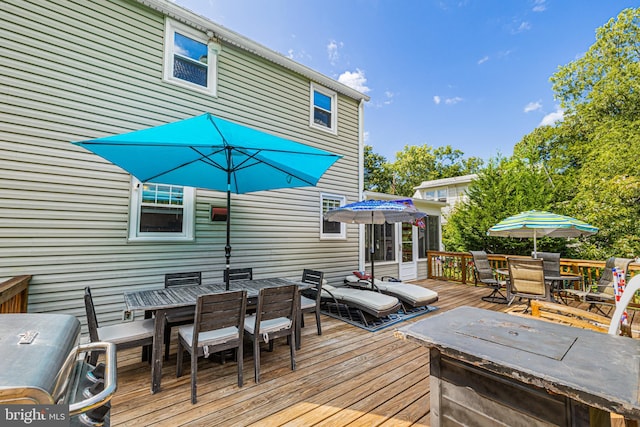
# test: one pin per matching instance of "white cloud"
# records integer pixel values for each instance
(532, 106)
(436, 99)
(551, 118)
(355, 80)
(539, 6)
(365, 135)
(389, 95)
(524, 26)
(453, 101)
(332, 51)
(483, 60)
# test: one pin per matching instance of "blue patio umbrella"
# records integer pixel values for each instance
(209, 152)
(375, 212)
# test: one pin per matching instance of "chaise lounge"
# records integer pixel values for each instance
(362, 302)
(411, 296)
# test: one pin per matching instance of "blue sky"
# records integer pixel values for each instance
(473, 74)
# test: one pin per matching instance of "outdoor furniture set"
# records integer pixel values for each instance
(215, 323)
(541, 279)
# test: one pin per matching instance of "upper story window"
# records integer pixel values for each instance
(331, 229)
(190, 59)
(324, 108)
(439, 195)
(161, 212)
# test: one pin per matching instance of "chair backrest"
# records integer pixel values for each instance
(182, 279)
(315, 278)
(481, 266)
(277, 301)
(526, 278)
(92, 319)
(606, 279)
(239, 274)
(219, 310)
(551, 262)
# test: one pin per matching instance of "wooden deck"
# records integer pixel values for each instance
(347, 376)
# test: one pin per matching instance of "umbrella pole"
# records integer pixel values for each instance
(535, 246)
(372, 250)
(227, 248)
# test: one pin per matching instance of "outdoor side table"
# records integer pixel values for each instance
(489, 366)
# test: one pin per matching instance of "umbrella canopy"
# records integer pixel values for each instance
(375, 212)
(541, 224)
(209, 152)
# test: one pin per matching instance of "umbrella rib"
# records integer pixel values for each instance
(204, 156)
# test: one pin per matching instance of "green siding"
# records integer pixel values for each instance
(73, 70)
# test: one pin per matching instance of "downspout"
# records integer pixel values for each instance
(361, 243)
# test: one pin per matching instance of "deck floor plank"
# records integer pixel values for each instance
(346, 376)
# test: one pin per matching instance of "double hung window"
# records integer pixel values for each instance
(323, 108)
(331, 229)
(190, 58)
(161, 212)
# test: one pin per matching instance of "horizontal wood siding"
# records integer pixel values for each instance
(75, 70)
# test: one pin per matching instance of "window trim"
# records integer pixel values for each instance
(213, 49)
(343, 229)
(334, 108)
(188, 216)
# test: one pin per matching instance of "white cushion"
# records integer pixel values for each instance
(306, 302)
(214, 337)
(374, 300)
(266, 326)
(126, 331)
(407, 291)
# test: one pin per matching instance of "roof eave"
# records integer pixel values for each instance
(204, 24)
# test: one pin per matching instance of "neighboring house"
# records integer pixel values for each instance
(79, 70)
(447, 190)
(401, 249)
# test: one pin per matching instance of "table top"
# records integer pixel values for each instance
(571, 277)
(596, 369)
(184, 296)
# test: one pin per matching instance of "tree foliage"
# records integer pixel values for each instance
(587, 164)
(378, 175)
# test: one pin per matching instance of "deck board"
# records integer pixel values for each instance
(346, 376)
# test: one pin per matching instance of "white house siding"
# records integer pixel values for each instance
(75, 70)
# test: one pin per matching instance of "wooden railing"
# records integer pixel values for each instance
(14, 294)
(458, 266)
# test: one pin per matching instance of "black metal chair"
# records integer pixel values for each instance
(275, 317)
(124, 335)
(181, 316)
(484, 274)
(218, 326)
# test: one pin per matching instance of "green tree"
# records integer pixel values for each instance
(417, 163)
(377, 172)
(504, 188)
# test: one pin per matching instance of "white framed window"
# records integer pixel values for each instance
(439, 195)
(161, 212)
(190, 57)
(324, 109)
(331, 229)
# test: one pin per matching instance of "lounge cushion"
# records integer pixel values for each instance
(414, 294)
(374, 300)
(214, 337)
(126, 331)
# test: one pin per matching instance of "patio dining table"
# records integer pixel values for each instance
(163, 301)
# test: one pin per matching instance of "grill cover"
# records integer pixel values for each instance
(31, 373)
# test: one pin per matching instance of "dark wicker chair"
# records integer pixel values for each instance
(484, 274)
(218, 326)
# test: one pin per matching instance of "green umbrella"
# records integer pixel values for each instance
(541, 224)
